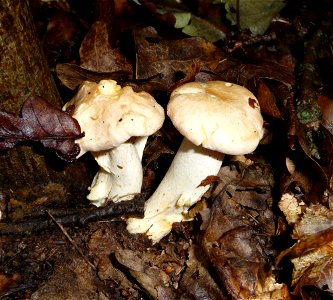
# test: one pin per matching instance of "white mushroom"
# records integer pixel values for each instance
(215, 118)
(110, 116)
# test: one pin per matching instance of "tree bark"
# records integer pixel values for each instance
(29, 172)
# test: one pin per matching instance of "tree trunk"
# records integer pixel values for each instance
(30, 172)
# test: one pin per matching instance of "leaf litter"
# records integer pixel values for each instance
(264, 228)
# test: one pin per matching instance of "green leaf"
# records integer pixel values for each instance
(255, 15)
(182, 17)
(201, 28)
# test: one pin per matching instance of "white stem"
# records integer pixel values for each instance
(120, 176)
(178, 191)
(140, 144)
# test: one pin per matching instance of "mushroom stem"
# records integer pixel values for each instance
(120, 175)
(178, 191)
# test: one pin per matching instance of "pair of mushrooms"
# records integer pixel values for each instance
(215, 118)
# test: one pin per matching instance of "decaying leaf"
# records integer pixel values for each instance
(312, 254)
(96, 53)
(291, 207)
(242, 73)
(267, 100)
(102, 246)
(238, 238)
(171, 58)
(147, 269)
(41, 122)
(72, 75)
(72, 279)
(197, 282)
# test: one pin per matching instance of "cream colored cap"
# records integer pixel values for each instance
(218, 115)
(110, 115)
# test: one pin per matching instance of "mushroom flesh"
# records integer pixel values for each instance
(215, 118)
(110, 116)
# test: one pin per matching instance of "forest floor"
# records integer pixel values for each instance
(264, 228)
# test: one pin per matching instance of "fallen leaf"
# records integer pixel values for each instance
(41, 122)
(72, 279)
(201, 28)
(96, 53)
(72, 75)
(312, 254)
(171, 58)
(242, 73)
(238, 239)
(197, 281)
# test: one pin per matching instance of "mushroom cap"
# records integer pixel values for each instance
(218, 115)
(110, 115)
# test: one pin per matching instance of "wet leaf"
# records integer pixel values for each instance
(41, 122)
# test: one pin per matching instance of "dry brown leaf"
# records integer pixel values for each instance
(197, 282)
(267, 100)
(237, 240)
(96, 53)
(102, 245)
(73, 279)
(72, 75)
(313, 252)
(171, 58)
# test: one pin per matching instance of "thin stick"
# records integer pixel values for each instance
(72, 241)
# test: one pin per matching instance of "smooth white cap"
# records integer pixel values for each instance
(218, 115)
(110, 115)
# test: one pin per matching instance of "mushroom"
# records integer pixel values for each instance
(110, 117)
(215, 118)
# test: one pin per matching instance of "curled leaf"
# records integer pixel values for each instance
(41, 122)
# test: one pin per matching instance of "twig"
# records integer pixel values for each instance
(72, 242)
(78, 218)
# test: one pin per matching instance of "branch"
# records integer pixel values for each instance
(78, 218)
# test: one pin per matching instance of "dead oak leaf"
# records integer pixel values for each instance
(96, 53)
(171, 58)
(41, 122)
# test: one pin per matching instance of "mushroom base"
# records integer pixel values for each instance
(178, 191)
